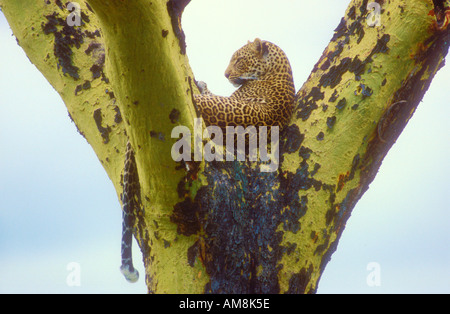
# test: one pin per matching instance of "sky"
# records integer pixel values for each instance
(60, 220)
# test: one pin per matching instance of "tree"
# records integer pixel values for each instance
(227, 227)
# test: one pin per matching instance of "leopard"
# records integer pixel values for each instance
(265, 97)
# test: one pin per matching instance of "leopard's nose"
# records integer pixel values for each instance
(227, 74)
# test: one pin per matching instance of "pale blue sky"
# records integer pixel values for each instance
(57, 205)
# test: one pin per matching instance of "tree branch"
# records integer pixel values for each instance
(357, 100)
(72, 59)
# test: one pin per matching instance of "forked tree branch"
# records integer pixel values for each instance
(227, 227)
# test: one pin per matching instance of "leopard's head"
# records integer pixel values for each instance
(249, 63)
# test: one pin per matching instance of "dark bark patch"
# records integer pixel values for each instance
(239, 234)
(308, 104)
(175, 9)
(185, 215)
(118, 117)
(331, 121)
(104, 131)
(85, 86)
(334, 96)
(381, 46)
(333, 77)
(320, 136)
(66, 38)
(174, 116)
(300, 280)
(340, 30)
(341, 104)
(292, 140)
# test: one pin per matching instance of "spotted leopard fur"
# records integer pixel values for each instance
(265, 98)
(130, 202)
(266, 89)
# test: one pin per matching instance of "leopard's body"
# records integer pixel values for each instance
(266, 93)
(265, 98)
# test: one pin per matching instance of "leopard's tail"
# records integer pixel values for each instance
(129, 200)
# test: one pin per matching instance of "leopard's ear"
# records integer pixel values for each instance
(261, 47)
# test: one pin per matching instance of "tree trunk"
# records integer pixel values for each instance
(227, 227)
